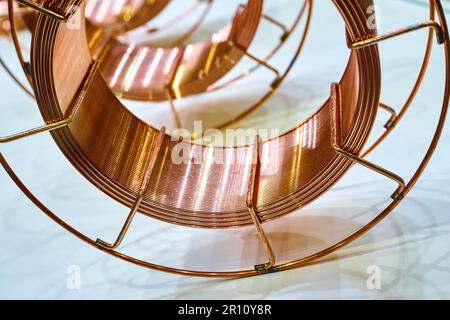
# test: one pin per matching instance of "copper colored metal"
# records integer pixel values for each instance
(107, 14)
(5, 31)
(107, 144)
(5, 27)
(25, 65)
(110, 15)
(123, 15)
(52, 10)
(281, 76)
(68, 118)
(157, 74)
(252, 203)
(183, 70)
(287, 33)
(199, 73)
(117, 168)
(153, 154)
(183, 37)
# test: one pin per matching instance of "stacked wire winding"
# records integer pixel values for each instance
(111, 147)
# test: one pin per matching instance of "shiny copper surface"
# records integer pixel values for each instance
(5, 27)
(145, 73)
(105, 16)
(106, 142)
(353, 14)
(128, 72)
(398, 116)
(123, 15)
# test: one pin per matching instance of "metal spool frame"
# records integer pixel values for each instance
(28, 13)
(359, 40)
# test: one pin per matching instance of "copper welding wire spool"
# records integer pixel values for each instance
(179, 71)
(104, 16)
(5, 32)
(123, 15)
(161, 74)
(117, 169)
(5, 27)
(92, 124)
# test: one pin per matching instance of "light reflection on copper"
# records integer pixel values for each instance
(297, 182)
(360, 83)
(121, 66)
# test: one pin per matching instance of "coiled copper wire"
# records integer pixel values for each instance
(192, 68)
(353, 15)
(123, 15)
(109, 145)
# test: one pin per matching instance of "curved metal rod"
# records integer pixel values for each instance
(282, 77)
(16, 80)
(19, 12)
(6, 17)
(264, 62)
(15, 38)
(178, 18)
(391, 125)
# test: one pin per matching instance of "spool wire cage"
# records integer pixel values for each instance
(86, 108)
